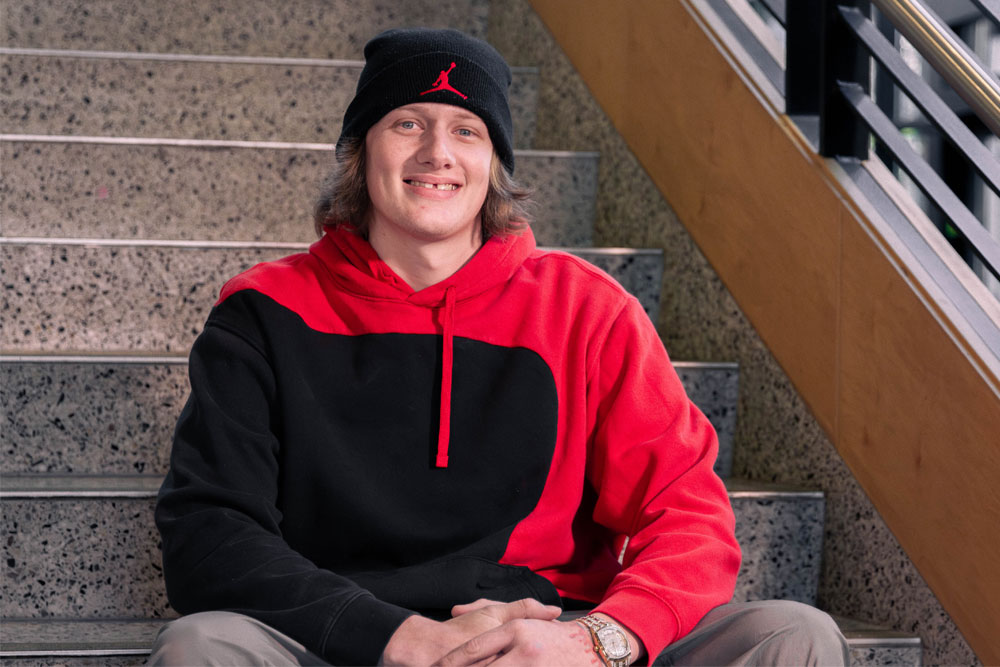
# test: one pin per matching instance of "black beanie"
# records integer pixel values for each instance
(408, 65)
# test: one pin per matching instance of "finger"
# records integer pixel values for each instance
(486, 646)
(527, 608)
(460, 609)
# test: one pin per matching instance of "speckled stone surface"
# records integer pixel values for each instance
(293, 28)
(99, 557)
(74, 297)
(714, 388)
(79, 661)
(81, 558)
(71, 298)
(865, 572)
(886, 656)
(782, 539)
(228, 194)
(89, 417)
(197, 100)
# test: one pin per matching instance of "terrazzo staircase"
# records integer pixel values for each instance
(133, 186)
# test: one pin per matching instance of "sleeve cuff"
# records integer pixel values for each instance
(361, 632)
(646, 616)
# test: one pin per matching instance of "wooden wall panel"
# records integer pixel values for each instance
(910, 410)
(920, 429)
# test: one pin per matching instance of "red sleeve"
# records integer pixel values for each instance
(651, 458)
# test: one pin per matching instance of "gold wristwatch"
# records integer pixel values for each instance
(610, 642)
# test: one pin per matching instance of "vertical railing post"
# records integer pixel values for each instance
(841, 133)
(885, 89)
(803, 57)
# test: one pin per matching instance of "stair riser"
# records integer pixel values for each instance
(89, 418)
(228, 194)
(81, 558)
(76, 661)
(119, 418)
(327, 29)
(100, 557)
(71, 297)
(782, 542)
(198, 100)
(911, 656)
(715, 390)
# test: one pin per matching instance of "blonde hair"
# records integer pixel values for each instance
(344, 200)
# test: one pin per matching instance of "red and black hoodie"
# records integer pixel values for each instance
(353, 452)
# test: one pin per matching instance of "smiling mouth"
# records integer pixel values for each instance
(431, 186)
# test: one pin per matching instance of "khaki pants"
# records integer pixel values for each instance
(771, 632)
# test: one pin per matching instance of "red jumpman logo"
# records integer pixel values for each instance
(442, 83)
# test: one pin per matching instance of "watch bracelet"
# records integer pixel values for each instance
(593, 625)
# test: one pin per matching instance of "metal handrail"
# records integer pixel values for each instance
(948, 55)
(918, 90)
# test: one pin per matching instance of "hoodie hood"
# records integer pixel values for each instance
(357, 268)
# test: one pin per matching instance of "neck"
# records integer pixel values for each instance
(422, 263)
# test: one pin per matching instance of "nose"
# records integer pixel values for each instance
(435, 148)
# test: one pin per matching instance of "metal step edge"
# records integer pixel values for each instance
(859, 635)
(713, 365)
(232, 143)
(263, 245)
(201, 58)
(54, 486)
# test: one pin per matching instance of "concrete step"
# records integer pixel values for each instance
(70, 295)
(226, 191)
(120, 643)
(100, 414)
(75, 546)
(197, 97)
(714, 387)
(303, 29)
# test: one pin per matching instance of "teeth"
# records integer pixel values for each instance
(431, 186)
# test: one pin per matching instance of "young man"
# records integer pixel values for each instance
(422, 439)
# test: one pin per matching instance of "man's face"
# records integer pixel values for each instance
(428, 170)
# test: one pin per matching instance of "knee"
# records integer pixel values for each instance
(794, 616)
(195, 638)
(804, 630)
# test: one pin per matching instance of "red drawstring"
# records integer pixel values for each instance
(447, 358)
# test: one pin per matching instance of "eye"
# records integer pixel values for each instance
(407, 124)
(465, 132)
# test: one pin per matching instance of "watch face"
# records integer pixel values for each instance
(614, 642)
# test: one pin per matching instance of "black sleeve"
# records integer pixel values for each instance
(217, 512)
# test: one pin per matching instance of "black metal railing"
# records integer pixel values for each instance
(837, 51)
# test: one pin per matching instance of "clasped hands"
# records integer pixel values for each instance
(484, 632)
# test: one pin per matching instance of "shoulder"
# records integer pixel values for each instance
(575, 277)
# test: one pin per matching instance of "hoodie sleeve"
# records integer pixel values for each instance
(651, 459)
(218, 514)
